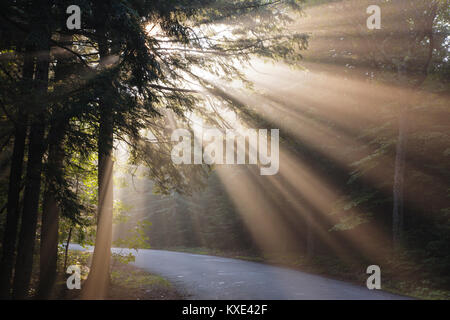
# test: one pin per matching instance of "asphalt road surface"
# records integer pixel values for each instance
(210, 277)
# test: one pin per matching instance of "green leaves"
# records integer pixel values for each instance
(352, 221)
(136, 237)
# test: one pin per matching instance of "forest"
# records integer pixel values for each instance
(87, 114)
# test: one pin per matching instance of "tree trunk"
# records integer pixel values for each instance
(50, 215)
(15, 181)
(400, 157)
(66, 253)
(399, 167)
(36, 150)
(310, 236)
(98, 281)
(50, 209)
(399, 180)
(29, 216)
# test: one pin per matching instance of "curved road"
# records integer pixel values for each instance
(210, 277)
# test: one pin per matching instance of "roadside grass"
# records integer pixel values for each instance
(135, 278)
(127, 282)
(400, 277)
(131, 283)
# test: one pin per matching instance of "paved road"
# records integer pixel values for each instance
(210, 277)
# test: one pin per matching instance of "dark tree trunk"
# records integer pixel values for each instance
(15, 180)
(399, 180)
(66, 253)
(50, 208)
(27, 234)
(36, 150)
(310, 238)
(50, 215)
(402, 138)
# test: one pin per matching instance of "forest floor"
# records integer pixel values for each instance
(131, 283)
(127, 282)
(407, 285)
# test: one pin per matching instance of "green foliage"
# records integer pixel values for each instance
(77, 258)
(123, 258)
(136, 238)
(352, 221)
